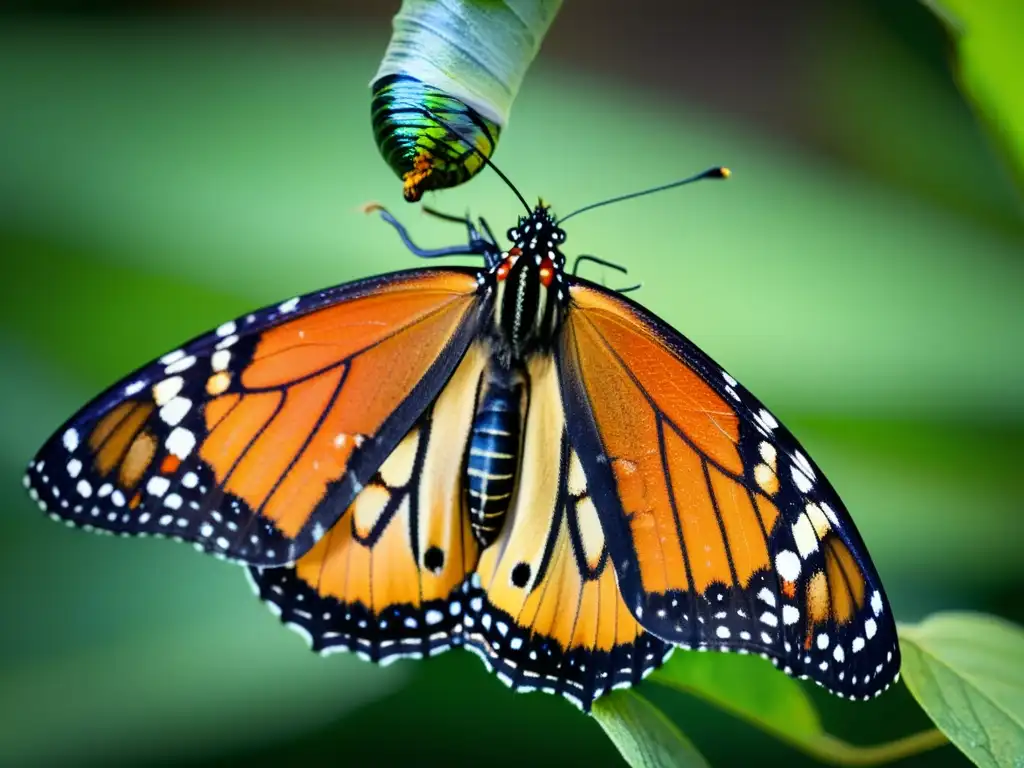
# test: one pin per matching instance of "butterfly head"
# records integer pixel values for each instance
(531, 288)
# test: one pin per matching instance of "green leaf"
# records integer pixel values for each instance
(753, 690)
(967, 672)
(644, 736)
(748, 687)
(990, 61)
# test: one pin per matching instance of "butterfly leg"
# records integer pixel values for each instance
(477, 246)
(483, 236)
(490, 235)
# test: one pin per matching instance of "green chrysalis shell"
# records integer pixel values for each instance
(462, 62)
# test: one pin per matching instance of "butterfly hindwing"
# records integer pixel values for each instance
(385, 581)
(251, 441)
(545, 609)
(722, 531)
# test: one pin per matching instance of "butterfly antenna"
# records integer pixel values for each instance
(444, 124)
(718, 172)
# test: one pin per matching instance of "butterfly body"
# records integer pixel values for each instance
(530, 295)
(506, 458)
(494, 449)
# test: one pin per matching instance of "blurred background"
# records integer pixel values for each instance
(165, 169)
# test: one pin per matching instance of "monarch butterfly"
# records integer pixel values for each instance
(464, 61)
(507, 457)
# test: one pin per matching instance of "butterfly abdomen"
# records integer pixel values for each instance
(494, 455)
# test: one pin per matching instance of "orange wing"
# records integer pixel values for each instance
(545, 609)
(722, 532)
(252, 440)
(385, 580)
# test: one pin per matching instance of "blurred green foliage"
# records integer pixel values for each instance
(156, 179)
(990, 61)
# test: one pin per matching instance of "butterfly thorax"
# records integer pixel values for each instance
(531, 294)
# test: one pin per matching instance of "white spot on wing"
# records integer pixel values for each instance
(788, 565)
(70, 439)
(802, 481)
(176, 410)
(220, 359)
(180, 365)
(167, 390)
(768, 419)
(803, 534)
(804, 464)
(180, 442)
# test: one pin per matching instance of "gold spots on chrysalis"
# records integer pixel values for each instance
(765, 472)
(412, 180)
(137, 460)
(218, 383)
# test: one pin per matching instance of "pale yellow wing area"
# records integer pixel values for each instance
(547, 613)
(385, 580)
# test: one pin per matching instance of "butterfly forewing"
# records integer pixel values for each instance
(723, 533)
(252, 440)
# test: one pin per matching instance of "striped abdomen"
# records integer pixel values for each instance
(494, 455)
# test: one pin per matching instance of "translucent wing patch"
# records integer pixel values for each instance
(545, 610)
(251, 441)
(722, 531)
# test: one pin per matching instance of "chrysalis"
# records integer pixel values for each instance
(463, 61)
